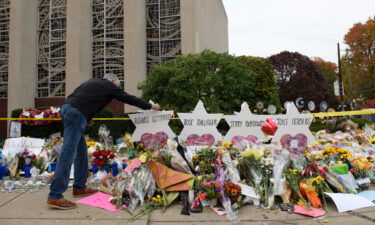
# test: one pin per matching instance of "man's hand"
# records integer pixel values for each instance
(155, 107)
(90, 123)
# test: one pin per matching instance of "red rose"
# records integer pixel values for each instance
(112, 156)
(101, 163)
(325, 169)
(351, 170)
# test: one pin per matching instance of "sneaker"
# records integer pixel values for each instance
(83, 192)
(61, 203)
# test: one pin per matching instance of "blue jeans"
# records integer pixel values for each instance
(74, 149)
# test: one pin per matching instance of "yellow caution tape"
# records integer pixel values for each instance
(325, 114)
(345, 113)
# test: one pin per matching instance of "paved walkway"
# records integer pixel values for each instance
(30, 208)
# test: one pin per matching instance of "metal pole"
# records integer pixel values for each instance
(340, 78)
(350, 86)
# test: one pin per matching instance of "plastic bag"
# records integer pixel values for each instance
(231, 213)
(299, 162)
(231, 170)
(178, 163)
(34, 174)
(141, 184)
(281, 160)
(104, 135)
(347, 180)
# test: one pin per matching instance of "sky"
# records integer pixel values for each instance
(310, 27)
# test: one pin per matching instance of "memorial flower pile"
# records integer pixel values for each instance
(153, 178)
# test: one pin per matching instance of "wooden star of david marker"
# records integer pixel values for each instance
(151, 121)
(293, 123)
(244, 124)
(200, 122)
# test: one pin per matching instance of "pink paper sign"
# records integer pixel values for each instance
(134, 164)
(99, 200)
(313, 212)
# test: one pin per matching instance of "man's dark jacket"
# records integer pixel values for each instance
(94, 94)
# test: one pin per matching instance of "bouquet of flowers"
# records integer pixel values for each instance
(281, 160)
(141, 185)
(128, 149)
(314, 183)
(26, 157)
(104, 136)
(233, 191)
(336, 154)
(103, 157)
(259, 162)
(204, 160)
(225, 201)
(231, 170)
(361, 166)
(293, 177)
(208, 189)
(39, 114)
(173, 158)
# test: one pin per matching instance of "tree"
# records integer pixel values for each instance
(361, 56)
(329, 71)
(266, 88)
(222, 81)
(298, 76)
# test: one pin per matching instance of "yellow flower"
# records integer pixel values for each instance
(91, 144)
(252, 152)
(143, 157)
(127, 137)
(293, 171)
(363, 160)
(226, 144)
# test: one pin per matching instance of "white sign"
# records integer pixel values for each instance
(12, 146)
(293, 123)
(15, 129)
(346, 202)
(336, 87)
(245, 124)
(248, 191)
(199, 122)
(151, 121)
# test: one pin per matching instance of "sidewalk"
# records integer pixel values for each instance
(30, 208)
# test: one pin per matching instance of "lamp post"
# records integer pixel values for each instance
(340, 78)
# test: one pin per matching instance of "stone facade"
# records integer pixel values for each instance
(54, 45)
